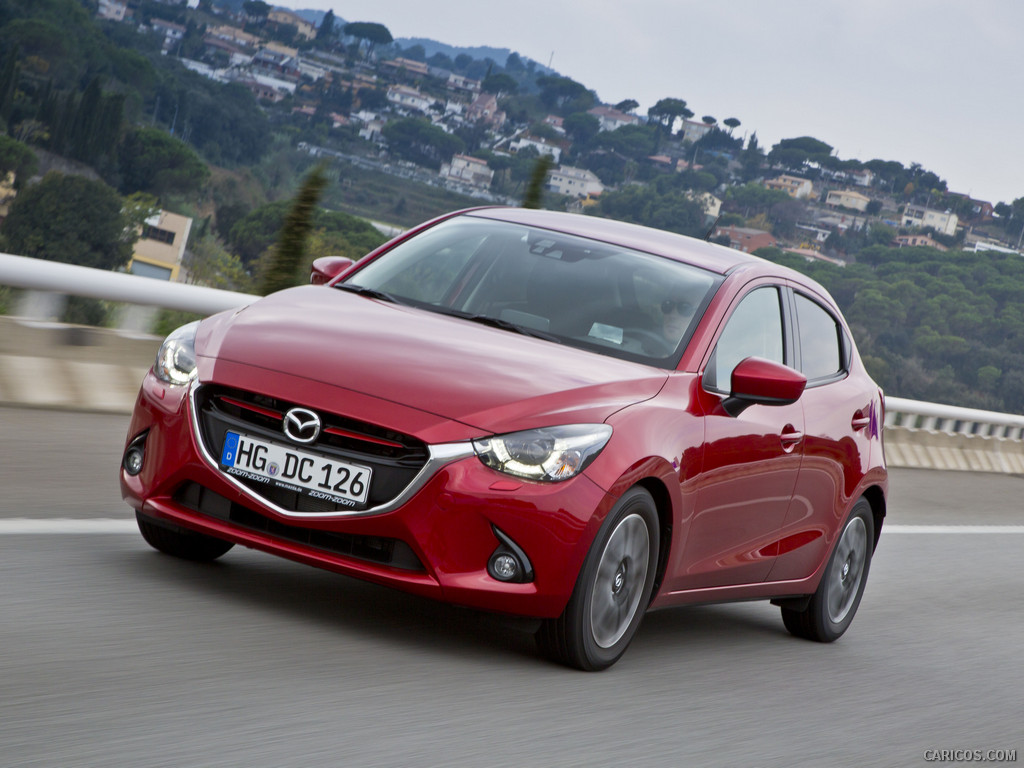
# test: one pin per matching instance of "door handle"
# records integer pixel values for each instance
(790, 437)
(860, 420)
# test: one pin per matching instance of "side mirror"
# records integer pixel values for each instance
(756, 381)
(326, 268)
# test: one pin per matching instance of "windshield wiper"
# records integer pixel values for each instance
(370, 293)
(505, 325)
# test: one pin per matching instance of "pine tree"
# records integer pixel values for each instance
(83, 128)
(326, 29)
(535, 191)
(283, 269)
(8, 84)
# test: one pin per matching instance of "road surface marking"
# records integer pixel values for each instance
(1000, 529)
(64, 525)
(68, 525)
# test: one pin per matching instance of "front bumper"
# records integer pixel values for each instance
(435, 539)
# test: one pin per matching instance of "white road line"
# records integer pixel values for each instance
(63, 525)
(22, 525)
(954, 529)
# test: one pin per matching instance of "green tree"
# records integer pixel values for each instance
(731, 123)
(374, 34)
(254, 234)
(152, 161)
(636, 142)
(256, 9)
(557, 92)
(535, 191)
(666, 111)
(283, 269)
(581, 127)
(9, 74)
(795, 154)
(751, 199)
(325, 31)
(17, 157)
(627, 105)
(70, 219)
(717, 139)
(499, 83)
(209, 263)
(137, 207)
(671, 210)
(422, 142)
(85, 126)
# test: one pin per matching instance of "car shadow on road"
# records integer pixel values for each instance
(346, 606)
(338, 603)
(739, 623)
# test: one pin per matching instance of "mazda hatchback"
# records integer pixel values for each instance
(533, 413)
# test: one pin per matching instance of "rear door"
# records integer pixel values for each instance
(751, 461)
(841, 413)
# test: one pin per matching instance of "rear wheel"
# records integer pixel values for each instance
(833, 606)
(612, 591)
(187, 545)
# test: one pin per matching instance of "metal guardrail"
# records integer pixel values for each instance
(941, 428)
(54, 277)
(952, 420)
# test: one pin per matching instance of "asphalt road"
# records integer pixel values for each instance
(113, 655)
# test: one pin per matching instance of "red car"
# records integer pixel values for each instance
(540, 414)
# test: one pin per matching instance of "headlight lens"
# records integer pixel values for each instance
(550, 454)
(176, 359)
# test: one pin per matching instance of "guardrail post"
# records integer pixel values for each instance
(41, 306)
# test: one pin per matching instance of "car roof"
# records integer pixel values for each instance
(710, 256)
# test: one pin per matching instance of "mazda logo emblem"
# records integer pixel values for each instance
(301, 425)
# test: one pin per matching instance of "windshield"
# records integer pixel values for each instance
(583, 293)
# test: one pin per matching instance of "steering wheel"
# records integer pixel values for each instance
(653, 343)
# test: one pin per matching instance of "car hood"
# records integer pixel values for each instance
(487, 378)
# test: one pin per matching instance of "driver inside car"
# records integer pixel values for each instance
(676, 314)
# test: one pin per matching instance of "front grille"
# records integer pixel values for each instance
(394, 457)
(394, 553)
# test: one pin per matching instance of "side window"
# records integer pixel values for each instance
(753, 330)
(820, 348)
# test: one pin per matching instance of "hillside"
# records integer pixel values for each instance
(219, 115)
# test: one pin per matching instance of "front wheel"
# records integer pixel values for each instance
(187, 545)
(612, 591)
(832, 607)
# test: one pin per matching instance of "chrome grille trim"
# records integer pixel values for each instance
(439, 456)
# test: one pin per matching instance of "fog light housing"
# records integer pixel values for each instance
(508, 562)
(504, 567)
(135, 455)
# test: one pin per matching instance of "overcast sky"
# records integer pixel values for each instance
(935, 82)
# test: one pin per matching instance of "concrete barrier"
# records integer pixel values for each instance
(46, 365)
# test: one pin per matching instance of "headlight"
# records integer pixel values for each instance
(550, 454)
(176, 359)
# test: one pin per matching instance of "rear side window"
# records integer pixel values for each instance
(821, 350)
(753, 330)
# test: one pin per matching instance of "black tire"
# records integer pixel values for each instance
(612, 591)
(832, 607)
(187, 545)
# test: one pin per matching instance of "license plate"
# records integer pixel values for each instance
(285, 467)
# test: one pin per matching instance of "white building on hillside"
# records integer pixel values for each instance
(611, 119)
(404, 97)
(919, 216)
(847, 198)
(540, 145)
(468, 170)
(574, 182)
